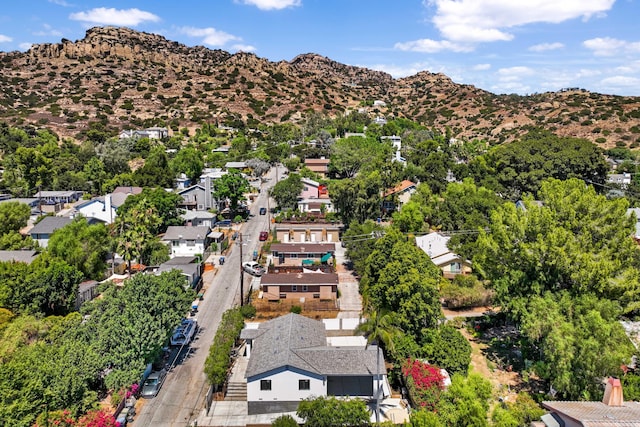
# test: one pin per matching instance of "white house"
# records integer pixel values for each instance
(436, 246)
(396, 141)
(290, 360)
(104, 209)
(186, 241)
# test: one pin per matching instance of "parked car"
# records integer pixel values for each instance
(253, 268)
(263, 211)
(184, 333)
(264, 235)
(152, 384)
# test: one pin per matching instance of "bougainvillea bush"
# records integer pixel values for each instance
(424, 383)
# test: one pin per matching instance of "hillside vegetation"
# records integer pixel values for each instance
(127, 79)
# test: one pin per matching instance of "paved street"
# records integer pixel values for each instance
(181, 398)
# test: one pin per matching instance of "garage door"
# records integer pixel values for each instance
(350, 386)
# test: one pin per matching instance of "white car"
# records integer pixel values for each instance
(253, 268)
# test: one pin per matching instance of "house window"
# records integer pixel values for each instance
(456, 267)
(191, 242)
(283, 295)
(293, 256)
(175, 242)
(265, 385)
(316, 296)
(305, 288)
(304, 385)
(294, 288)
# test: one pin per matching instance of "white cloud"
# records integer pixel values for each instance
(511, 87)
(481, 67)
(210, 36)
(25, 45)
(431, 46)
(517, 71)
(272, 4)
(398, 71)
(5, 39)
(48, 31)
(608, 46)
(621, 81)
(60, 3)
(112, 16)
(473, 21)
(244, 48)
(542, 47)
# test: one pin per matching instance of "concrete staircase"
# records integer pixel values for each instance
(236, 391)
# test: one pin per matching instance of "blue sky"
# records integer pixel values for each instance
(503, 46)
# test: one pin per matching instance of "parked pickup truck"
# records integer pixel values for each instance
(184, 333)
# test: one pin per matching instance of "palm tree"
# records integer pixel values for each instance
(379, 329)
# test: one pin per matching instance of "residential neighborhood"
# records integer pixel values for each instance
(264, 288)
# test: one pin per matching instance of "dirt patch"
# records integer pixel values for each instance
(504, 381)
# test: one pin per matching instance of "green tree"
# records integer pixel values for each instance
(360, 239)
(464, 207)
(410, 218)
(358, 199)
(286, 192)
(331, 412)
(575, 240)
(188, 161)
(133, 230)
(520, 413)
(401, 278)
(163, 203)
(52, 286)
(82, 246)
(284, 421)
(521, 166)
(95, 172)
(156, 171)
(447, 348)
(231, 188)
(466, 402)
(13, 216)
(349, 155)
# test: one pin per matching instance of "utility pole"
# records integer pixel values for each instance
(241, 273)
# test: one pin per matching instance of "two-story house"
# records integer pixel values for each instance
(186, 241)
(319, 166)
(290, 360)
(395, 197)
(296, 253)
(320, 232)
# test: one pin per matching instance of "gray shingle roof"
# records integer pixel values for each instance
(177, 232)
(18, 256)
(49, 224)
(598, 414)
(295, 341)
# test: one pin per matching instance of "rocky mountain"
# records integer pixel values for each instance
(128, 79)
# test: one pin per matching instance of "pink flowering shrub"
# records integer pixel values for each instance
(424, 383)
(99, 418)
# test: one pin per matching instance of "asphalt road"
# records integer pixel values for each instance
(182, 395)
